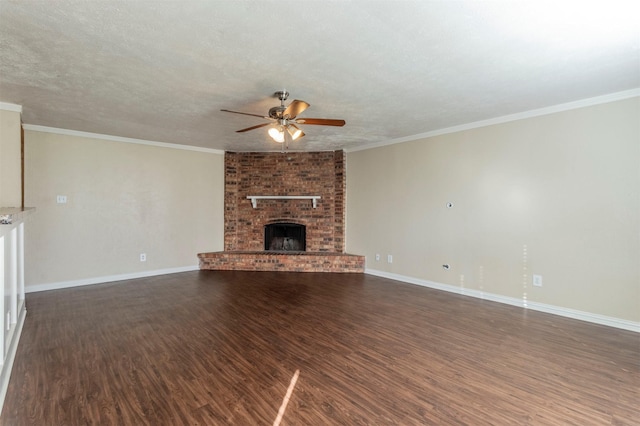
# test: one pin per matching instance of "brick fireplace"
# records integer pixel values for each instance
(306, 189)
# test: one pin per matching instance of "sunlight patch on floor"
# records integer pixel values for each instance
(286, 398)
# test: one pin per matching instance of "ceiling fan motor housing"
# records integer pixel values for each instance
(276, 112)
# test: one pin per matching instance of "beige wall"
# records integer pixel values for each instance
(556, 195)
(123, 199)
(10, 159)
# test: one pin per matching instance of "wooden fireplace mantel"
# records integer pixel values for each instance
(254, 198)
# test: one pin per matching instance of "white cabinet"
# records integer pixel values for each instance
(12, 300)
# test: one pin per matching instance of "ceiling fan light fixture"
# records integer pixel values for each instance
(277, 134)
(294, 131)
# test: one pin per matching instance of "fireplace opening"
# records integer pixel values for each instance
(284, 237)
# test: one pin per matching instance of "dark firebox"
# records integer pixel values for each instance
(284, 237)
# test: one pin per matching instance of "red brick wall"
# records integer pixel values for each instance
(288, 173)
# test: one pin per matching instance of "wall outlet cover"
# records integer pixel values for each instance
(537, 280)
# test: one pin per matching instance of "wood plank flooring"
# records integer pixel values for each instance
(222, 347)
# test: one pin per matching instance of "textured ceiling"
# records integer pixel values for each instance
(162, 70)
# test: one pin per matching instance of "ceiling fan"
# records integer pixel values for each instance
(283, 120)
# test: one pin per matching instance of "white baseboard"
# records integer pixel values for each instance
(550, 309)
(107, 279)
(11, 356)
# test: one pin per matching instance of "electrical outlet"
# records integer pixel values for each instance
(143, 257)
(389, 258)
(377, 256)
(61, 199)
(537, 280)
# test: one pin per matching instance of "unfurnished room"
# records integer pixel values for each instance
(319, 212)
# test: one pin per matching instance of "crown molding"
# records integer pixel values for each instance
(612, 97)
(67, 132)
(10, 107)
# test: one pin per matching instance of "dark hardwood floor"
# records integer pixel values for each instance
(222, 347)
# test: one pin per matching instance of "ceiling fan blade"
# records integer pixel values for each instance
(253, 127)
(295, 108)
(244, 113)
(321, 121)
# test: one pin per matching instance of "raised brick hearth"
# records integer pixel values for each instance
(319, 176)
(299, 261)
